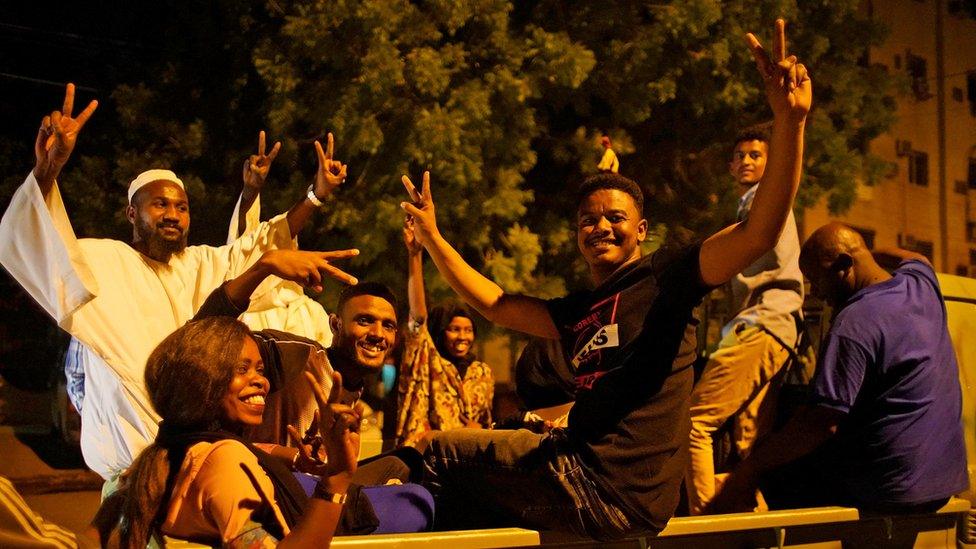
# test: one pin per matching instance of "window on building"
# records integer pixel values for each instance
(962, 270)
(971, 92)
(867, 235)
(961, 8)
(972, 173)
(970, 231)
(918, 73)
(972, 257)
(918, 168)
(924, 247)
(957, 94)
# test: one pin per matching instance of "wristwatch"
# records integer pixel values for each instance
(322, 493)
(312, 198)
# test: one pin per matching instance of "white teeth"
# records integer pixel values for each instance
(255, 399)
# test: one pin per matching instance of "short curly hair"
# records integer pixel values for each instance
(610, 181)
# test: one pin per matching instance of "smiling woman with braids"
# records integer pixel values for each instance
(199, 480)
(442, 386)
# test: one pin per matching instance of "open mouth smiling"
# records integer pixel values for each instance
(372, 348)
(254, 401)
(602, 242)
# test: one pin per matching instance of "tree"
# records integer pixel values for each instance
(675, 80)
(502, 101)
(406, 86)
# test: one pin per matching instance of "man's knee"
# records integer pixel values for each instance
(382, 471)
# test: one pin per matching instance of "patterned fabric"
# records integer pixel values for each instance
(74, 373)
(433, 396)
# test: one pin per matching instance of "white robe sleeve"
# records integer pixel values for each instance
(271, 300)
(252, 217)
(39, 249)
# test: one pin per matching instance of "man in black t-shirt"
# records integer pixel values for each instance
(616, 470)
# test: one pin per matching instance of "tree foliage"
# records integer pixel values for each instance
(503, 101)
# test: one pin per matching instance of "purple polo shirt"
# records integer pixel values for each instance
(888, 364)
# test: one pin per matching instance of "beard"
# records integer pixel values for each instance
(159, 247)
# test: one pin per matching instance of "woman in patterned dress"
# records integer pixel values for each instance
(442, 385)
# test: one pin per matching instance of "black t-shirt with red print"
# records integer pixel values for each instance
(631, 343)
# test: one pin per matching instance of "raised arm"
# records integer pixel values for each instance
(256, 168)
(305, 268)
(518, 312)
(339, 427)
(329, 175)
(802, 434)
(415, 273)
(56, 139)
(789, 91)
(889, 258)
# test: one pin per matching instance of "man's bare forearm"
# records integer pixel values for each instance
(774, 197)
(523, 313)
(299, 214)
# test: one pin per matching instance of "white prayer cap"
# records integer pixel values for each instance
(149, 176)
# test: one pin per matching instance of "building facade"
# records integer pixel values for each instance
(928, 202)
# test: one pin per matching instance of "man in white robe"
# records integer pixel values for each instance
(120, 300)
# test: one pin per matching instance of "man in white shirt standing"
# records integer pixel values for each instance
(118, 299)
(742, 376)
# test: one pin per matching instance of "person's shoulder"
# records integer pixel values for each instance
(917, 268)
(223, 453)
(107, 244)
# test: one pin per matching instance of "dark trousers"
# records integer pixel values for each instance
(496, 478)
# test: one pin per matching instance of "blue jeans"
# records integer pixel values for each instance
(496, 478)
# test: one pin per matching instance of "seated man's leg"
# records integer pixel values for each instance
(731, 379)
(485, 478)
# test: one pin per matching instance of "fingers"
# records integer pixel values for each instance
(787, 68)
(330, 146)
(42, 133)
(779, 40)
(336, 387)
(69, 100)
(411, 190)
(801, 74)
(314, 280)
(347, 421)
(426, 190)
(261, 143)
(339, 254)
(296, 437)
(317, 391)
(411, 209)
(331, 270)
(320, 153)
(274, 151)
(56, 123)
(340, 275)
(759, 54)
(86, 114)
